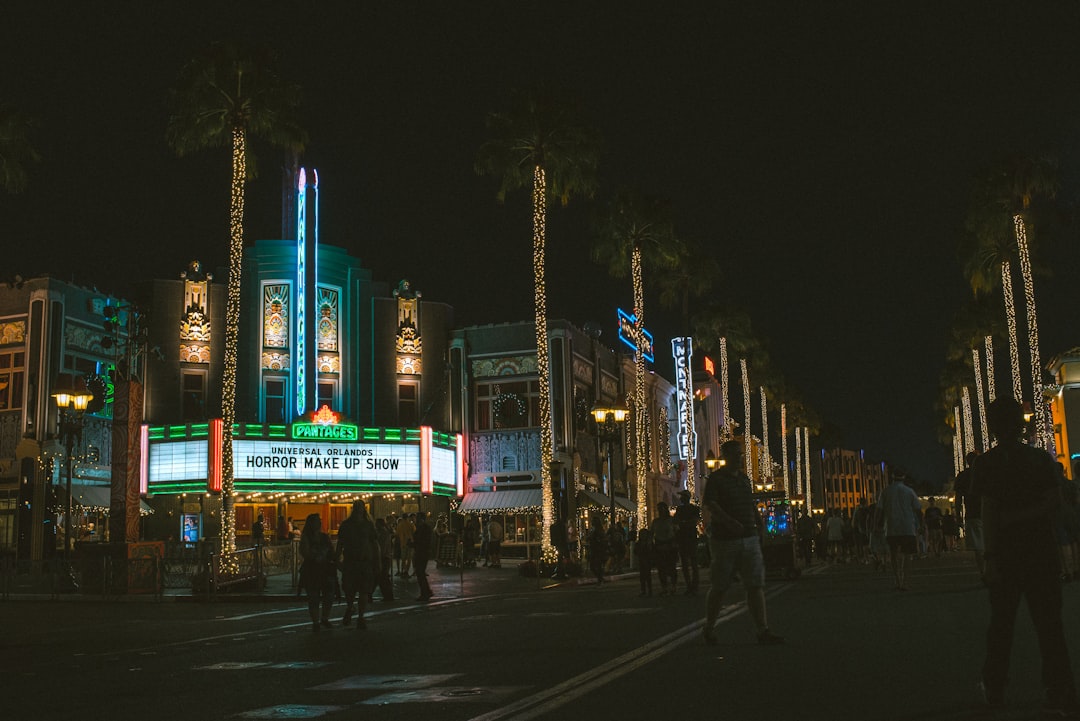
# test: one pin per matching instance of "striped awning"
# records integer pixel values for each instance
(602, 500)
(529, 498)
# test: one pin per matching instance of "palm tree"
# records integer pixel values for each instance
(222, 97)
(16, 152)
(636, 232)
(541, 144)
(1004, 210)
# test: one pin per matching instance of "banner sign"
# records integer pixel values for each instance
(682, 350)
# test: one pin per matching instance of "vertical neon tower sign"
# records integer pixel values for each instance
(306, 279)
(683, 351)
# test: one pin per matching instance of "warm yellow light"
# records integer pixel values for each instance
(63, 399)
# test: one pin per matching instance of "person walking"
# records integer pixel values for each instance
(495, 539)
(562, 550)
(404, 532)
(687, 517)
(598, 547)
(969, 513)
(834, 527)
(902, 514)
(736, 536)
(386, 550)
(359, 555)
(643, 552)
(318, 575)
(1020, 501)
(806, 529)
(423, 545)
(665, 548)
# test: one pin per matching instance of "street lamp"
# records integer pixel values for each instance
(608, 418)
(72, 398)
(712, 462)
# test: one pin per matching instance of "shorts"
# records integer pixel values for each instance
(736, 555)
(494, 547)
(973, 535)
(901, 544)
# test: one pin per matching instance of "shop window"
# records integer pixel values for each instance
(408, 403)
(193, 387)
(274, 400)
(327, 391)
(507, 404)
(12, 378)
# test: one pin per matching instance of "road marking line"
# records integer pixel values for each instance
(552, 698)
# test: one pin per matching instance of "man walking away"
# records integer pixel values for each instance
(902, 513)
(736, 536)
(358, 553)
(687, 516)
(1020, 501)
(422, 547)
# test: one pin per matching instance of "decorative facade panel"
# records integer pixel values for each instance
(508, 366)
(13, 332)
(329, 363)
(583, 370)
(275, 316)
(273, 361)
(194, 353)
(408, 365)
(492, 453)
(328, 320)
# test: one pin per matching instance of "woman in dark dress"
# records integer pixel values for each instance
(318, 575)
(598, 547)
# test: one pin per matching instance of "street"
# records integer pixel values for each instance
(500, 646)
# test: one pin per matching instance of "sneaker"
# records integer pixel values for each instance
(768, 638)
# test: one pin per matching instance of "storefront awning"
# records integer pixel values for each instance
(602, 500)
(529, 499)
(98, 497)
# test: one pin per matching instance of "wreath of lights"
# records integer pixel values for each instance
(499, 400)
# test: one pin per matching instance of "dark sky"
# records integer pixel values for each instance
(825, 155)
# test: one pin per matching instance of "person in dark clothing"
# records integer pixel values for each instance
(687, 517)
(422, 546)
(1020, 500)
(736, 530)
(258, 531)
(806, 529)
(559, 542)
(386, 550)
(969, 513)
(318, 575)
(598, 547)
(643, 551)
(358, 552)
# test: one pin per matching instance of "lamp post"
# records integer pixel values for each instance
(608, 419)
(72, 398)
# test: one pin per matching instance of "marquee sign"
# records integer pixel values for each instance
(311, 457)
(683, 351)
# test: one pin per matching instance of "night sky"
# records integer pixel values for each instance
(824, 155)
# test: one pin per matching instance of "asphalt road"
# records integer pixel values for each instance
(504, 647)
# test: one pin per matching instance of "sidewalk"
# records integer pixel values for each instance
(446, 582)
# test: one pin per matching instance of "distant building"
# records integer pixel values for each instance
(846, 478)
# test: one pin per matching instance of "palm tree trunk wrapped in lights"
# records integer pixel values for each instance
(969, 426)
(641, 456)
(958, 437)
(766, 461)
(783, 447)
(539, 198)
(746, 417)
(798, 461)
(1037, 403)
(809, 485)
(991, 391)
(1010, 321)
(724, 396)
(976, 363)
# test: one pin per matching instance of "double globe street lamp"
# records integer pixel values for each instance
(608, 420)
(72, 399)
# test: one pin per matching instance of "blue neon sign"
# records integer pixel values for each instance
(634, 337)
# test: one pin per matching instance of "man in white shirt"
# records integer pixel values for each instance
(901, 509)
